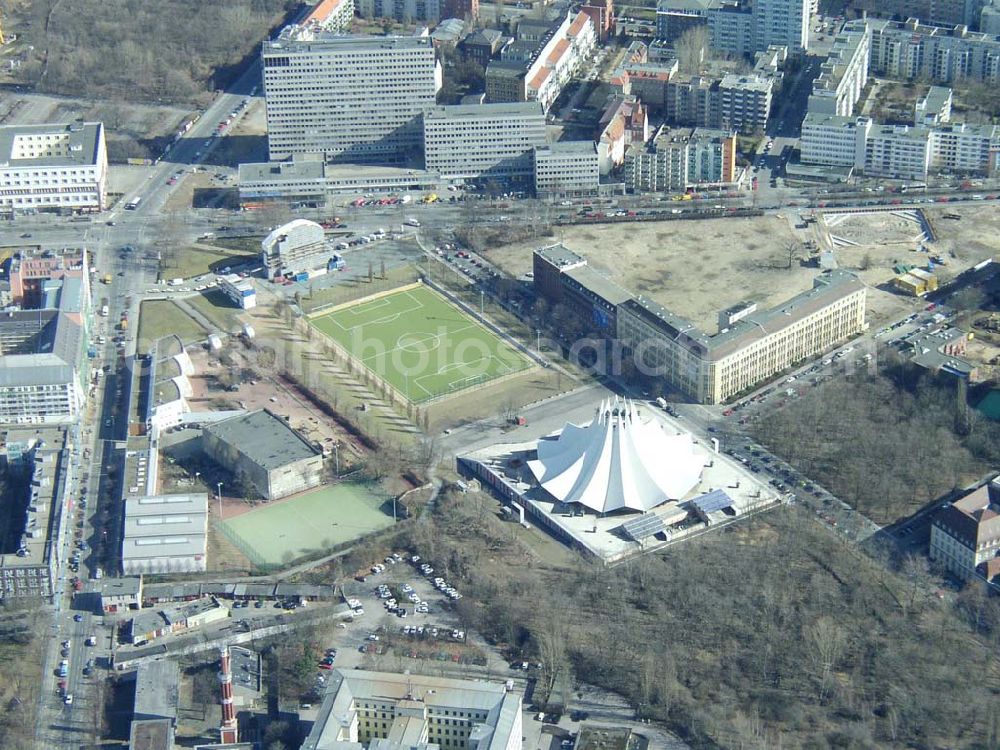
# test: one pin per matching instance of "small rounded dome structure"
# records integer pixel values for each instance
(618, 462)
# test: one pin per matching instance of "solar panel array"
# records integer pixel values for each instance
(644, 526)
(713, 501)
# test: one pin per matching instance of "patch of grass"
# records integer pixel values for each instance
(218, 308)
(421, 343)
(161, 317)
(194, 260)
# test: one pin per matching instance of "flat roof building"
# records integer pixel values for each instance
(165, 534)
(567, 168)
(483, 141)
(39, 459)
(355, 99)
(910, 49)
(53, 167)
(679, 158)
(261, 447)
(713, 368)
(843, 74)
(384, 711)
(43, 364)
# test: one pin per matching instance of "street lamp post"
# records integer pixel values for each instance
(218, 488)
(336, 457)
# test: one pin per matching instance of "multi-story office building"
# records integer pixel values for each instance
(966, 534)
(750, 347)
(681, 158)
(240, 291)
(567, 169)
(53, 167)
(483, 141)
(909, 49)
(623, 122)
(351, 98)
(38, 462)
(384, 710)
(43, 363)
(744, 102)
(834, 140)
(844, 73)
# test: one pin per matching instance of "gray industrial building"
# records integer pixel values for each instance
(261, 448)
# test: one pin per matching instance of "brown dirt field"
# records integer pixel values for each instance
(694, 268)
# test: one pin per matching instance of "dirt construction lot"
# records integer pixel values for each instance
(694, 268)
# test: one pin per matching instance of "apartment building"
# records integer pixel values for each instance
(38, 462)
(482, 45)
(327, 16)
(909, 49)
(53, 167)
(744, 102)
(484, 141)
(404, 11)
(567, 169)
(781, 22)
(384, 710)
(738, 27)
(934, 107)
(966, 534)
(680, 158)
(352, 98)
(43, 363)
(844, 73)
(964, 148)
(623, 122)
(750, 347)
(545, 66)
(900, 151)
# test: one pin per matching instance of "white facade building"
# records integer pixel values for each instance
(834, 140)
(384, 711)
(934, 107)
(618, 462)
(744, 102)
(351, 98)
(293, 247)
(567, 168)
(240, 291)
(782, 22)
(844, 73)
(909, 49)
(483, 141)
(165, 534)
(53, 167)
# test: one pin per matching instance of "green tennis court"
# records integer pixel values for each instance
(421, 343)
(321, 519)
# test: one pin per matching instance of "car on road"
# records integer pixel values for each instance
(68, 700)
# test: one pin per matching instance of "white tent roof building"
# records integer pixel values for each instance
(618, 461)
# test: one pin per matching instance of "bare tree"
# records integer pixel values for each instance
(692, 48)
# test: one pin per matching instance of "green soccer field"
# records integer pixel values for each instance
(421, 343)
(318, 520)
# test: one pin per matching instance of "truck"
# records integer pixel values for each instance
(104, 311)
(411, 222)
(661, 402)
(175, 282)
